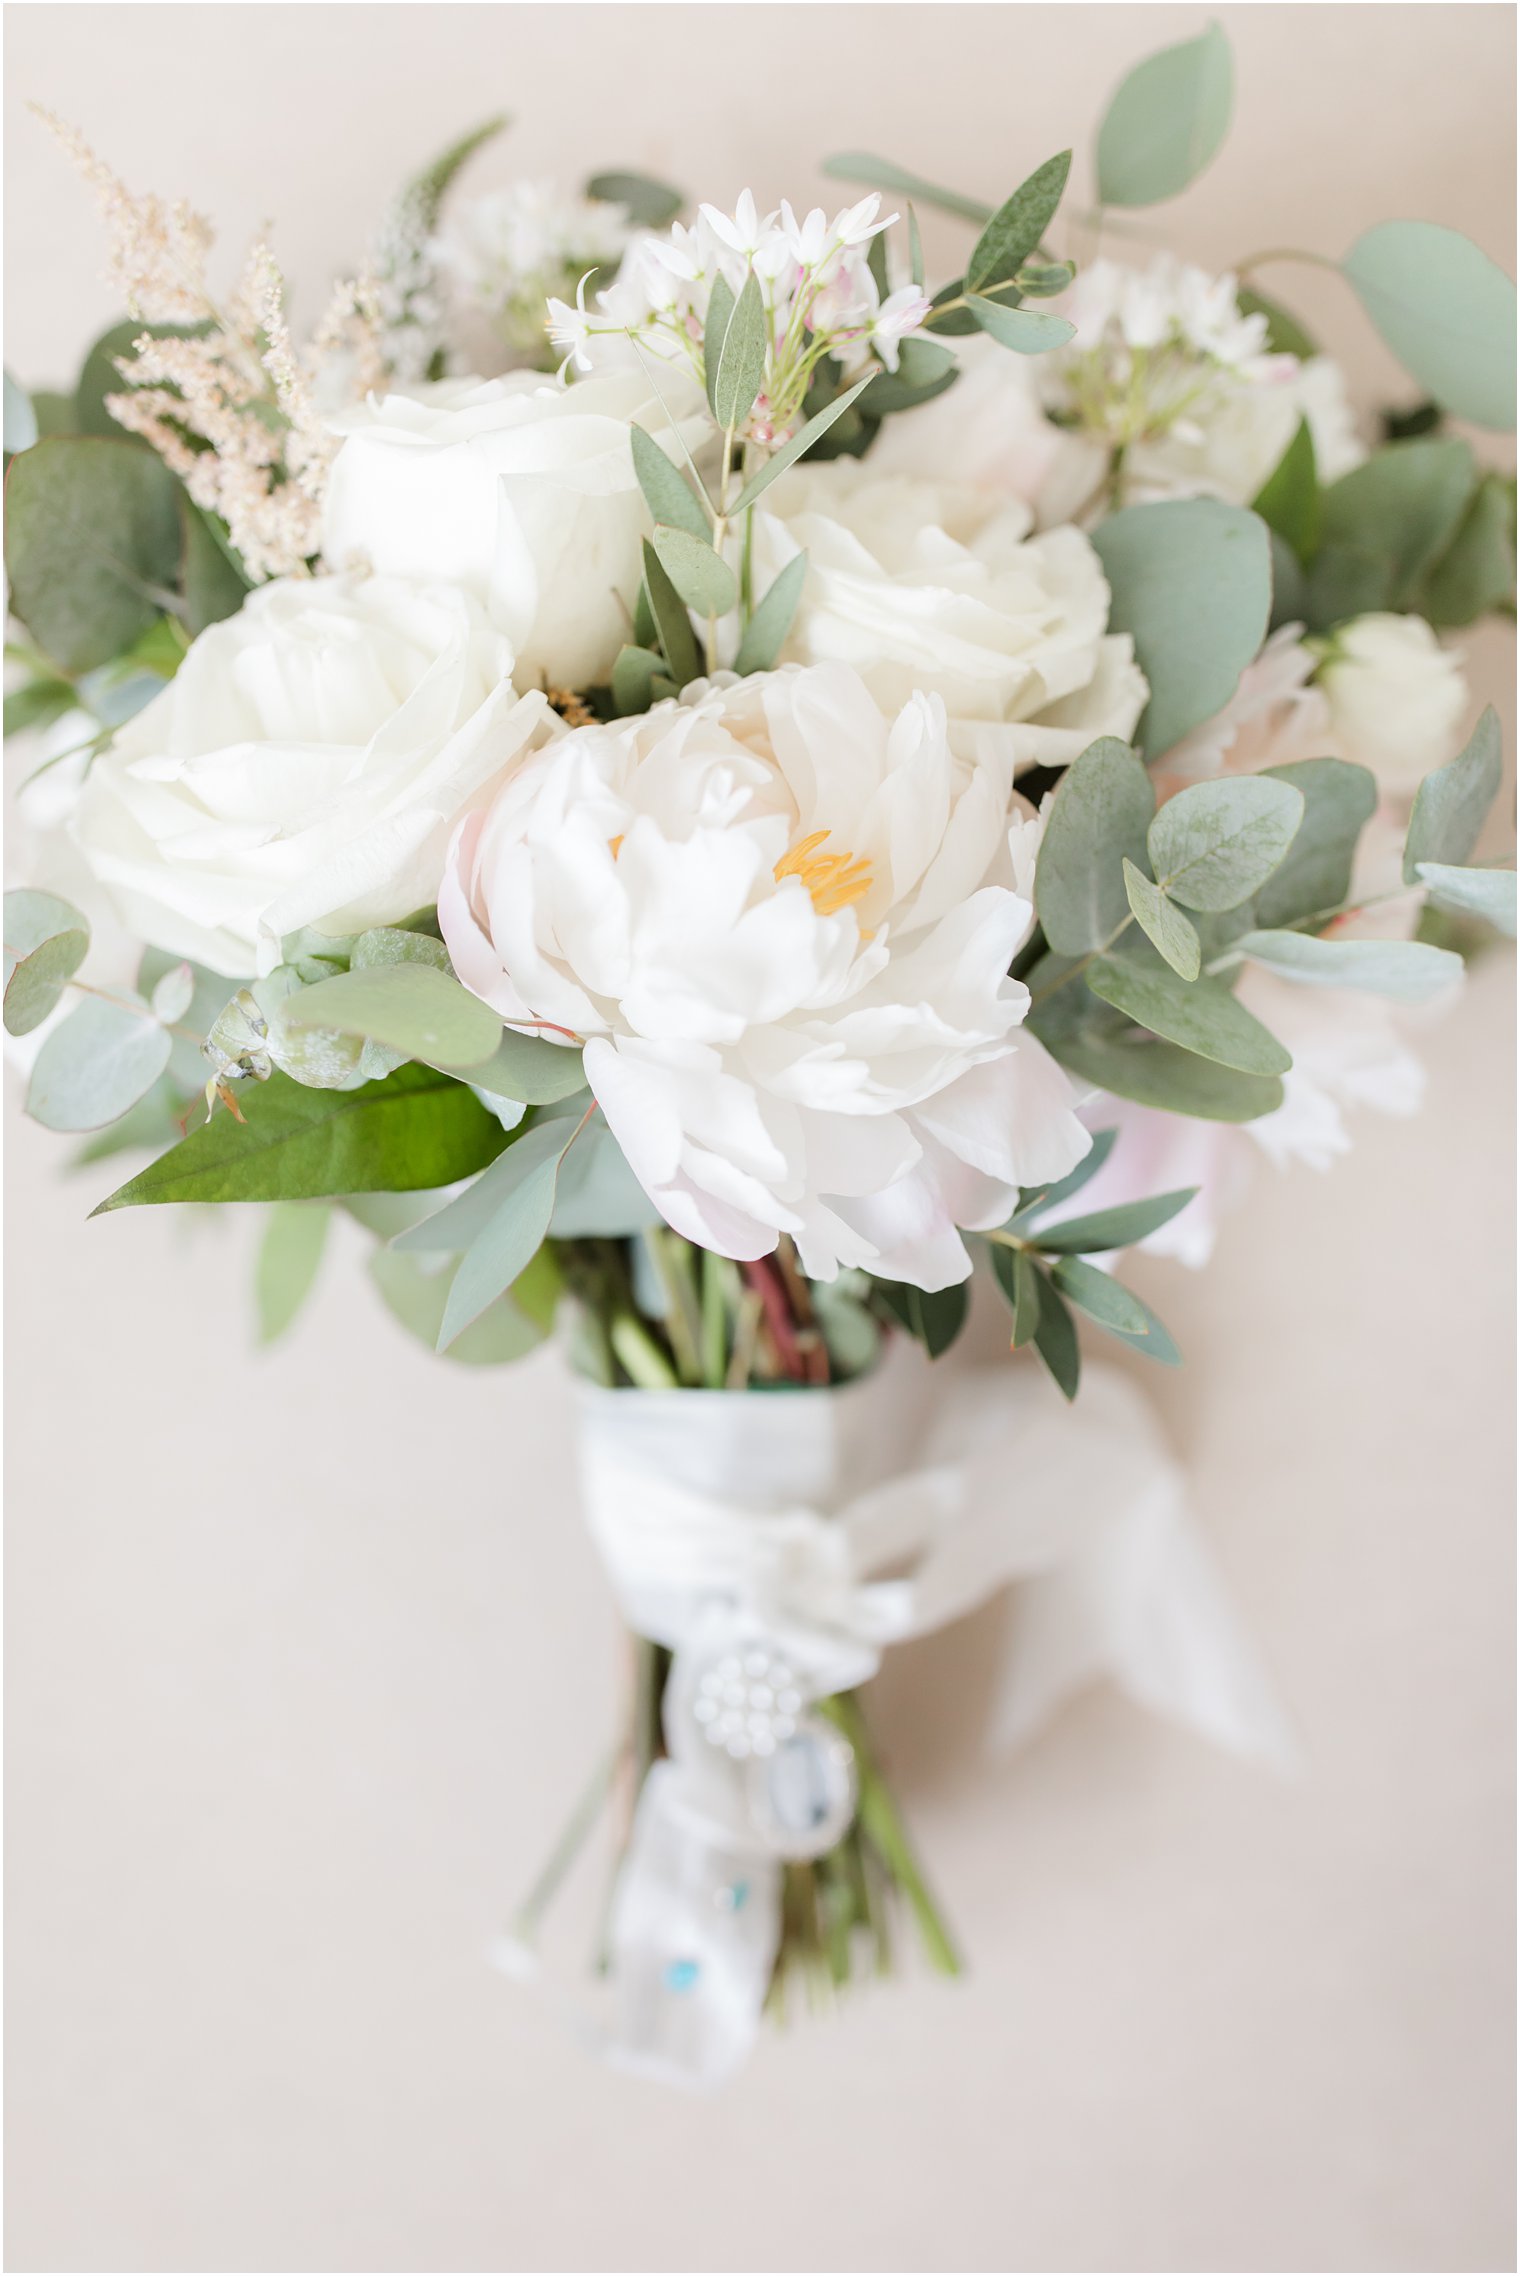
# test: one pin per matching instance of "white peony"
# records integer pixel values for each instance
(304, 767)
(783, 922)
(1397, 698)
(921, 586)
(519, 489)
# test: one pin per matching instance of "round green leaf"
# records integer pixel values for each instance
(45, 944)
(701, 577)
(1097, 819)
(406, 1007)
(1408, 970)
(1166, 121)
(96, 1064)
(1203, 1018)
(1214, 843)
(1446, 310)
(1191, 581)
(92, 545)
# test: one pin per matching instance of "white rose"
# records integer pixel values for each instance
(924, 587)
(783, 923)
(305, 766)
(519, 489)
(1397, 698)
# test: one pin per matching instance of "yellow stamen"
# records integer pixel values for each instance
(833, 881)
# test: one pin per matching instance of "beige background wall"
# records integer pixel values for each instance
(305, 1652)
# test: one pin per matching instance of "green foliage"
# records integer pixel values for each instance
(765, 634)
(290, 1255)
(1163, 924)
(1214, 843)
(1018, 227)
(1037, 1200)
(1285, 335)
(96, 1064)
(933, 1318)
(1098, 819)
(1138, 1066)
(530, 1068)
(101, 377)
(416, 1293)
(1476, 572)
(1166, 121)
(498, 1225)
(1450, 805)
(424, 194)
(213, 580)
(1447, 312)
(21, 428)
(885, 174)
(651, 204)
(1191, 581)
(409, 1007)
(701, 578)
(1015, 1273)
(924, 370)
(45, 943)
(672, 623)
(639, 679)
(1055, 1339)
(92, 546)
(1105, 1230)
(414, 1131)
(805, 440)
(1314, 875)
(1101, 1297)
(668, 495)
(1407, 970)
(1485, 893)
(598, 1196)
(1204, 1018)
(1026, 330)
(1289, 500)
(1386, 525)
(740, 367)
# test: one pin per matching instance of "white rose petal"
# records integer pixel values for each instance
(1397, 698)
(305, 767)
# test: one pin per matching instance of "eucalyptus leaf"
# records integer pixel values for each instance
(1098, 819)
(1203, 1018)
(1214, 843)
(405, 1007)
(1289, 500)
(1163, 924)
(96, 1064)
(1191, 582)
(885, 174)
(173, 994)
(702, 578)
(1407, 970)
(598, 1197)
(214, 581)
(1485, 893)
(1104, 1230)
(1042, 280)
(92, 545)
(416, 1130)
(521, 1185)
(1446, 310)
(720, 309)
(20, 418)
(1285, 335)
(652, 204)
(798, 446)
(741, 359)
(1386, 524)
(1451, 805)
(668, 495)
(1314, 875)
(1476, 572)
(531, 1068)
(1055, 1339)
(385, 945)
(671, 620)
(765, 634)
(1138, 1066)
(1037, 1200)
(290, 1255)
(933, 1317)
(635, 677)
(1101, 1297)
(1028, 331)
(46, 940)
(925, 369)
(1016, 229)
(416, 1294)
(1167, 120)
(1016, 1276)
(422, 198)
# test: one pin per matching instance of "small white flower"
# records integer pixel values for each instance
(783, 922)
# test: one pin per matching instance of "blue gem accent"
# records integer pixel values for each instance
(681, 1975)
(738, 1895)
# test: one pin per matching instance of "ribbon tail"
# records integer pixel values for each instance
(696, 1924)
(1143, 1604)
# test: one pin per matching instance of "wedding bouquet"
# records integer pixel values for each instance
(707, 790)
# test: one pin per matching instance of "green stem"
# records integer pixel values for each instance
(567, 1848)
(884, 1827)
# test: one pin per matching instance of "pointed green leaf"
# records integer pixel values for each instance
(1055, 1339)
(1203, 1018)
(1016, 229)
(1450, 805)
(1289, 500)
(1138, 1066)
(1446, 310)
(414, 1131)
(667, 493)
(885, 174)
(521, 1186)
(720, 309)
(46, 941)
(1285, 335)
(798, 447)
(1016, 1276)
(765, 634)
(1314, 875)
(702, 579)
(1486, 893)
(536, 1069)
(1167, 120)
(1038, 1200)
(1101, 1297)
(935, 1317)
(1163, 925)
(290, 1254)
(416, 1293)
(741, 359)
(671, 621)
(1407, 970)
(1098, 818)
(651, 204)
(634, 678)
(1104, 1230)
(1386, 524)
(1476, 573)
(1214, 843)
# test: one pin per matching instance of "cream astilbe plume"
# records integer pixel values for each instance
(233, 410)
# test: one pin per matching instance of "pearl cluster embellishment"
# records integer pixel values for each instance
(748, 1702)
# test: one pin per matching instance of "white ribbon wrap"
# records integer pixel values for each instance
(830, 1524)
